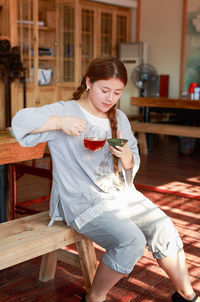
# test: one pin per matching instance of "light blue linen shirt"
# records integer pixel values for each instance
(84, 182)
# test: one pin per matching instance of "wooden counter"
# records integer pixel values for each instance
(12, 152)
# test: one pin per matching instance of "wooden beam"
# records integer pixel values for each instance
(183, 46)
(124, 3)
(67, 257)
(138, 21)
(13, 26)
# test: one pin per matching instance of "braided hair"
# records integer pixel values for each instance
(105, 68)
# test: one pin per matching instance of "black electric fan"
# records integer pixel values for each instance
(144, 77)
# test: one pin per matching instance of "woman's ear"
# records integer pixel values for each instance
(88, 83)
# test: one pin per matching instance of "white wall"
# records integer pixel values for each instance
(161, 28)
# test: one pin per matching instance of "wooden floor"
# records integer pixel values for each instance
(170, 180)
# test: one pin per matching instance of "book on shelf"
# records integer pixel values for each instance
(40, 23)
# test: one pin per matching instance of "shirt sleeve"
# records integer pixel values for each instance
(29, 119)
(132, 143)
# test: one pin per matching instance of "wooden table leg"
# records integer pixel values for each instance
(3, 192)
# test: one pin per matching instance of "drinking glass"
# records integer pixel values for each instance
(94, 138)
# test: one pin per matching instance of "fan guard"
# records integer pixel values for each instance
(144, 77)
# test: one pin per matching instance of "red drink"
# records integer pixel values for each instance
(94, 144)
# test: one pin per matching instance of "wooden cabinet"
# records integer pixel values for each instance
(4, 20)
(37, 39)
(4, 34)
(58, 39)
(103, 27)
(97, 31)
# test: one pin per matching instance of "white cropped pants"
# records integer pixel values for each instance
(126, 231)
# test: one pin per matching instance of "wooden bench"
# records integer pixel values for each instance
(165, 129)
(29, 237)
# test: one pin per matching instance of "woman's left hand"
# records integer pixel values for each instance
(125, 155)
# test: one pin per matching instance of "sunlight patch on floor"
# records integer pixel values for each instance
(182, 187)
(194, 179)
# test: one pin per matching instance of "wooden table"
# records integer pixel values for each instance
(12, 152)
(165, 103)
(188, 106)
(171, 103)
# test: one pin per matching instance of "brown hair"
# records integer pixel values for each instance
(104, 68)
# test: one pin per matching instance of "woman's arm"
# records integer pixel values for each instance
(68, 124)
(128, 154)
(41, 124)
(125, 155)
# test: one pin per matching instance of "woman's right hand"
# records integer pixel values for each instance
(72, 125)
(69, 124)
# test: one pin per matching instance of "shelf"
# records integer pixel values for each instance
(41, 58)
(68, 31)
(86, 59)
(44, 28)
(47, 58)
(88, 33)
(4, 37)
(108, 35)
(68, 59)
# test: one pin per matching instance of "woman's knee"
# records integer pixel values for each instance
(140, 243)
(165, 240)
(135, 242)
(127, 253)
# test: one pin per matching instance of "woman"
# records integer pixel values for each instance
(93, 191)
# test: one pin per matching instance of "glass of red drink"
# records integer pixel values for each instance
(94, 138)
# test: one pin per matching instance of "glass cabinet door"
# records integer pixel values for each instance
(122, 30)
(47, 44)
(66, 42)
(25, 25)
(106, 33)
(36, 39)
(113, 30)
(87, 36)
